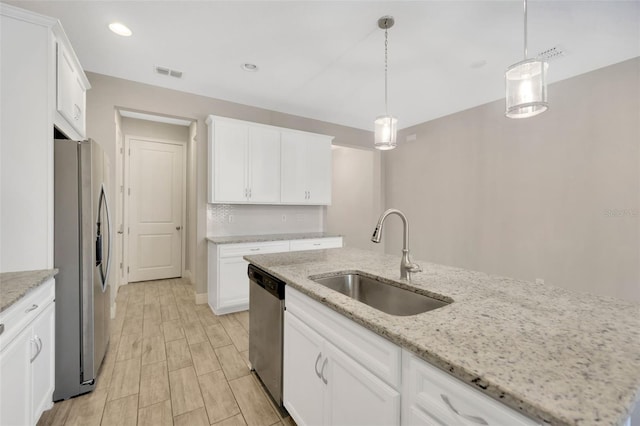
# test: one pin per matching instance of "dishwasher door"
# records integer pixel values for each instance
(266, 307)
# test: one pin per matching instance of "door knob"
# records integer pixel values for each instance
(178, 228)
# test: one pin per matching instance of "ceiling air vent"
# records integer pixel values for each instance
(550, 54)
(168, 72)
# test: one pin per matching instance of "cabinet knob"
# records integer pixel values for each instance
(178, 228)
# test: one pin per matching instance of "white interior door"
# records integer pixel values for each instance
(156, 171)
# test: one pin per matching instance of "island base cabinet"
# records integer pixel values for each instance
(432, 397)
(354, 395)
(303, 389)
(324, 386)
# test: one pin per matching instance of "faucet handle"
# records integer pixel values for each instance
(414, 267)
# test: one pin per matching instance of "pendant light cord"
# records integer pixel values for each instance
(525, 29)
(386, 45)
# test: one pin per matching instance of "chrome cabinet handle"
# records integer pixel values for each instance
(474, 419)
(31, 308)
(38, 343)
(324, 364)
(249, 192)
(255, 249)
(319, 374)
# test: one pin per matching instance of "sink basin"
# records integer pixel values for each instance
(380, 295)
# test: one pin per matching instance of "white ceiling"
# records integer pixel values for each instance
(325, 59)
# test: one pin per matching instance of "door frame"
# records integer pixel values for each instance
(126, 188)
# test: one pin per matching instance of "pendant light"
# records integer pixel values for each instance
(386, 126)
(526, 84)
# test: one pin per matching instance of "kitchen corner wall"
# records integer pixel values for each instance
(109, 93)
(555, 196)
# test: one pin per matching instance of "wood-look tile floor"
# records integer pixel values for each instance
(171, 362)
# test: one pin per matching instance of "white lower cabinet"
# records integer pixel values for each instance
(228, 283)
(336, 372)
(302, 375)
(27, 357)
(15, 386)
(42, 366)
(324, 386)
(432, 397)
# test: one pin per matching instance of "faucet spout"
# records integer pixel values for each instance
(406, 266)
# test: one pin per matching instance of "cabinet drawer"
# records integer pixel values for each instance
(374, 352)
(20, 314)
(430, 393)
(232, 250)
(316, 244)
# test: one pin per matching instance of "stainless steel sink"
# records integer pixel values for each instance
(380, 295)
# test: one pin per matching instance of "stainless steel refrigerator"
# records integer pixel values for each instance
(82, 253)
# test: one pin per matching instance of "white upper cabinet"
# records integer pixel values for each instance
(249, 165)
(246, 162)
(71, 88)
(306, 168)
(264, 165)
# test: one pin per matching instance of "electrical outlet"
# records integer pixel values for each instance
(539, 281)
(231, 218)
(284, 217)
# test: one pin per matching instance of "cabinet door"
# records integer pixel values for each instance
(355, 396)
(15, 398)
(71, 100)
(42, 366)
(294, 168)
(303, 388)
(233, 288)
(230, 150)
(318, 169)
(264, 165)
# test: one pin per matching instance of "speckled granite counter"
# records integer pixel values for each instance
(557, 356)
(14, 285)
(235, 239)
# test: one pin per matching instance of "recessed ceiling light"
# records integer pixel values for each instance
(120, 29)
(478, 64)
(249, 67)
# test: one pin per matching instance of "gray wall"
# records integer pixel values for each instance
(553, 197)
(357, 196)
(109, 93)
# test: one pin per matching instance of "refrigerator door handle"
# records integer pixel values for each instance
(103, 201)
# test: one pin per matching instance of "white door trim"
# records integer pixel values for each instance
(127, 177)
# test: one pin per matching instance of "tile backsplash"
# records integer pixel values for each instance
(239, 219)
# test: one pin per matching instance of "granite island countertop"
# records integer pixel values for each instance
(557, 356)
(235, 239)
(14, 285)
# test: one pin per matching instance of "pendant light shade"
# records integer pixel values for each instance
(386, 126)
(526, 84)
(386, 130)
(526, 88)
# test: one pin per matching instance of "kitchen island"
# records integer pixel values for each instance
(554, 355)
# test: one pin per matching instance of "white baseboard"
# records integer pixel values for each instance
(113, 310)
(201, 298)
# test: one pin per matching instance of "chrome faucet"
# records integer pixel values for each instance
(406, 266)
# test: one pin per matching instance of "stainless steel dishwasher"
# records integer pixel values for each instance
(266, 321)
